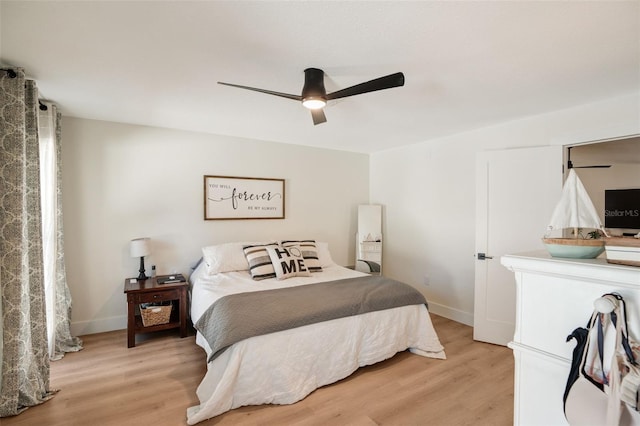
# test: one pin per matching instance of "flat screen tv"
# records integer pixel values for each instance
(622, 208)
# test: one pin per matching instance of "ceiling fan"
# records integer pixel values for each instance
(314, 96)
(595, 166)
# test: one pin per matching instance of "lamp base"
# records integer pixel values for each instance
(142, 276)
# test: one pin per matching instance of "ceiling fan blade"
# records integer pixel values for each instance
(318, 116)
(268, 92)
(386, 82)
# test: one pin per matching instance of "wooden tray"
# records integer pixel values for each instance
(623, 250)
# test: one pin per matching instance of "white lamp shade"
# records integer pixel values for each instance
(140, 247)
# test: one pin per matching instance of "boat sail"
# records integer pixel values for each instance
(574, 211)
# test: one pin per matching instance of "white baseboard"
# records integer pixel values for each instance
(451, 313)
(81, 328)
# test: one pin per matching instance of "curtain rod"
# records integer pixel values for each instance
(12, 74)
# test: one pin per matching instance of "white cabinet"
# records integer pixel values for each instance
(553, 297)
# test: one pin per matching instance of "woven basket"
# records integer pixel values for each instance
(155, 315)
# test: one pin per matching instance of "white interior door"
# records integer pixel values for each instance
(516, 191)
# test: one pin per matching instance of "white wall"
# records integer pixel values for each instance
(123, 181)
(428, 194)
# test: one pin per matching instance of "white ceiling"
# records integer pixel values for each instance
(467, 64)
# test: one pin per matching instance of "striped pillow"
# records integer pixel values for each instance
(259, 261)
(309, 253)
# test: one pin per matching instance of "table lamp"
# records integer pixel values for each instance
(141, 247)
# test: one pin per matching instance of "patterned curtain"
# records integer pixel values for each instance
(25, 359)
(57, 295)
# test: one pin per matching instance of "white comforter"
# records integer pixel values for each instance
(284, 367)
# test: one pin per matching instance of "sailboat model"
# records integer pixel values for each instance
(575, 211)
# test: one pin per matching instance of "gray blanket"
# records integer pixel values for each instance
(239, 316)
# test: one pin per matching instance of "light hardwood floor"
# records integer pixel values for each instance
(154, 383)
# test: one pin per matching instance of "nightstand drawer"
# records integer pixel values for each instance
(160, 296)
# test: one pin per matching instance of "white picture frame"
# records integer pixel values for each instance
(233, 198)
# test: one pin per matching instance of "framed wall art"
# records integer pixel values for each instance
(227, 197)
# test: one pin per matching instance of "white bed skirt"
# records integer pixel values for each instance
(285, 367)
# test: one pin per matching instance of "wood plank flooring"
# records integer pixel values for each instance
(154, 383)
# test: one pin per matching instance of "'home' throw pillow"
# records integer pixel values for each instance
(309, 252)
(288, 262)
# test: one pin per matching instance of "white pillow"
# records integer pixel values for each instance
(225, 257)
(324, 256)
(288, 262)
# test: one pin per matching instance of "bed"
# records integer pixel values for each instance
(283, 367)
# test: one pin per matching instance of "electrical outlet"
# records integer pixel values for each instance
(426, 280)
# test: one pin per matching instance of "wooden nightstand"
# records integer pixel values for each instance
(149, 291)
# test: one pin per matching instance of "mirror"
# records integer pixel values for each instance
(369, 239)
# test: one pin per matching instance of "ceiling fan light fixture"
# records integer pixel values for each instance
(314, 96)
(314, 102)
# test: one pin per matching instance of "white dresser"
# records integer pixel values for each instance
(554, 296)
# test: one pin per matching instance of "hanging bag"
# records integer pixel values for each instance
(603, 360)
(625, 373)
(585, 400)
